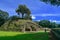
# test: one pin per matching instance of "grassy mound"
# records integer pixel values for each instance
(15, 25)
(23, 36)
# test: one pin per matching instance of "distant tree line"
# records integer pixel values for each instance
(48, 24)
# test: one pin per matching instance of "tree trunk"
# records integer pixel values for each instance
(22, 15)
(19, 14)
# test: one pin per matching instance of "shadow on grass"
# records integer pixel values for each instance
(34, 36)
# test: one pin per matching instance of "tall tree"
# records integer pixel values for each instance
(53, 2)
(22, 9)
(28, 16)
(3, 17)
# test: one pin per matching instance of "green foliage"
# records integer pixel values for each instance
(4, 14)
(53, 25)
(52, 2)
(3, 17)
(58, 25)
(23, 11)
(14, 18)
(44, 23)
(27, 17)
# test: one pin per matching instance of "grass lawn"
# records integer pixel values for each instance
(23, 36)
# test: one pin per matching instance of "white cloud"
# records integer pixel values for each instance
(43, 15)
(33, 17)
(54, 21)
(38, 20)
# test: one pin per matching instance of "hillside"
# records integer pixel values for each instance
(20, 25)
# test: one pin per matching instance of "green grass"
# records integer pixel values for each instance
(23, 36)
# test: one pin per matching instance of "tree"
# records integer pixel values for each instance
(14, 18)
(53, 2)
(53, 25)
(3, 17)
(23, 10)
(44, 23)
(58, 26)
(27, 17)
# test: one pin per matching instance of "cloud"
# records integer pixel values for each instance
(43, 15)
(54, 21)
(38, 20)
(33, 17)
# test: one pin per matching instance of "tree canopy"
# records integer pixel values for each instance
(3, 17)
(4, 14)
(23, 11)
(53, 25)
(53, 2)
(44, 23)
(48, 24)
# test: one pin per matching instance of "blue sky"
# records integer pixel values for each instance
(39, 10)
